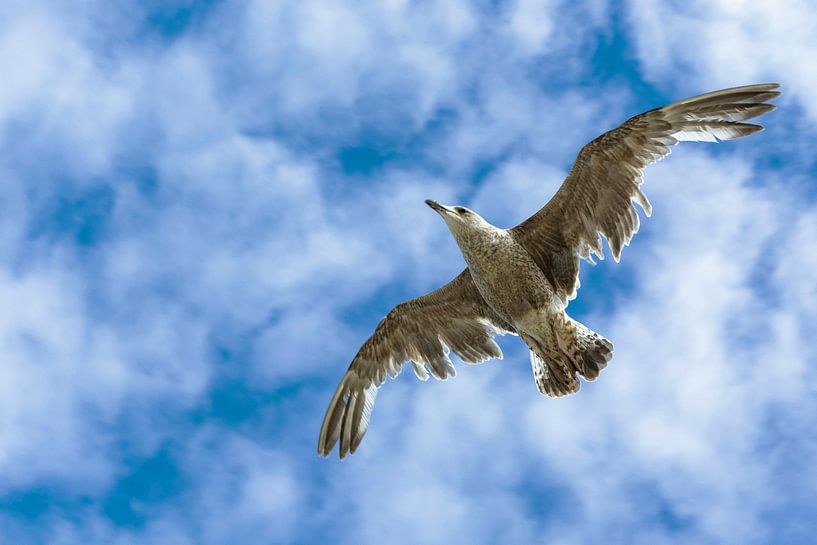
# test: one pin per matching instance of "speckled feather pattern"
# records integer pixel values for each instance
(519, 280)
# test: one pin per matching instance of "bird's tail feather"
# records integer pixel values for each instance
(596, 351)
(550, 377)
(564, 350)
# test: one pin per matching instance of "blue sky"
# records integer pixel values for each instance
(208, 206)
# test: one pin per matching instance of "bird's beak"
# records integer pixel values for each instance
(437, 207)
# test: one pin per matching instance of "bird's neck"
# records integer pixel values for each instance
(480, 244)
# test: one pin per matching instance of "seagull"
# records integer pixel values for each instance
(520, 280)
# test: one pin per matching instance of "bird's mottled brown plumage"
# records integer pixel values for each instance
(519, 280)
(422, 331)
(597, 195)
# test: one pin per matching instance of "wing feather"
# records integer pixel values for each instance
(596, 199)
(453, 318)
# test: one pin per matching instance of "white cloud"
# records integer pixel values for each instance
(240, 491)
(516, 191)
(248, 236)
(48, 74)
(531, 23)
(729, 42)
(45, 357)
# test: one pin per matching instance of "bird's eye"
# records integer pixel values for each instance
(460, 210)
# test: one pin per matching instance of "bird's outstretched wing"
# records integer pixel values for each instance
(422, 330)
(596, 197)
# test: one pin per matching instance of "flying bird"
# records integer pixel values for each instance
(520, 280)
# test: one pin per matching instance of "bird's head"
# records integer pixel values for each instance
(460, 220)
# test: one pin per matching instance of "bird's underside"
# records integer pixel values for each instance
(596, 199)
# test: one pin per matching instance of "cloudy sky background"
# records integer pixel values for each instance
(207, 207)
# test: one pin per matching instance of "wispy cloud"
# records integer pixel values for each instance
(208, 208)
(724, 42)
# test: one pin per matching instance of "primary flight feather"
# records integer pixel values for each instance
(519, 280)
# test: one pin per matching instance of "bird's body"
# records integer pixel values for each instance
(506, 275)
(518, 291)
(519, 280)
